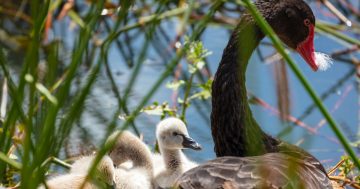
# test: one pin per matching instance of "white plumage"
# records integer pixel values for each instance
(323, 61)
(104, 175)
(127, 148)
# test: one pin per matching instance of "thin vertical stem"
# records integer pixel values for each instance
(186, 95)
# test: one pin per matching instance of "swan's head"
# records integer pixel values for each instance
(105, 171)
(171, 133)
(294, 23)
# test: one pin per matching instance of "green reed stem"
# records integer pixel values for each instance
(190, 81)
(323, 27)
(148, 19)
(170, 67)
(9, 161)
(186, 96)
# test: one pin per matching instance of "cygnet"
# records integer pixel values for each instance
(103, 177)
(127, 148)
(172, 136)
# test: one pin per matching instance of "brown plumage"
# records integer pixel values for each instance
(262, 161)
(266, 171)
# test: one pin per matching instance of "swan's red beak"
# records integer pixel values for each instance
(306, 49)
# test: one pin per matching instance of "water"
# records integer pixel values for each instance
(342, 102)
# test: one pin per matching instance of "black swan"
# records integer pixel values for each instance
(248, 157)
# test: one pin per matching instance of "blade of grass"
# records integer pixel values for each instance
(77, 106)
(39, 12)
(151, 18)
(323, 27)
(140, 61)
(196, 33)
(63, 91)
(4, 100)
(47, 139)
(76, 18)
(9, 161)
(165, 74)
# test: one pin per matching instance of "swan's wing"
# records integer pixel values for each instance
(273, 170)
(299, 153)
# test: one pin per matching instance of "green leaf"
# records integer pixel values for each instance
(195, 67)
(157, 109)
(207, 85)
(76, 18)
(175, 85)
(203, 95)
(196, 55)
(123, 117)
(43, 90)
(180, 100)
(153, 110)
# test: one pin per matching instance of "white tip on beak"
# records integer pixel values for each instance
(323, 61)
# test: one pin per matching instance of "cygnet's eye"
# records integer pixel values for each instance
(175, 133)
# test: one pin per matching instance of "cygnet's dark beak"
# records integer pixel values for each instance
(112, 186)
(190, 143)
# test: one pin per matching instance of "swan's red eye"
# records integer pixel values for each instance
(307, 22)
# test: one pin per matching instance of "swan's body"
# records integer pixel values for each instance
(256, 172)
(172, 137)
(236, 132)
(104, 175)
(127, 148)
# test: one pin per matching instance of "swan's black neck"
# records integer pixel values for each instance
(235, 131)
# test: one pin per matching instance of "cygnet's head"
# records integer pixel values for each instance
(106, 171)
(172, 134)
